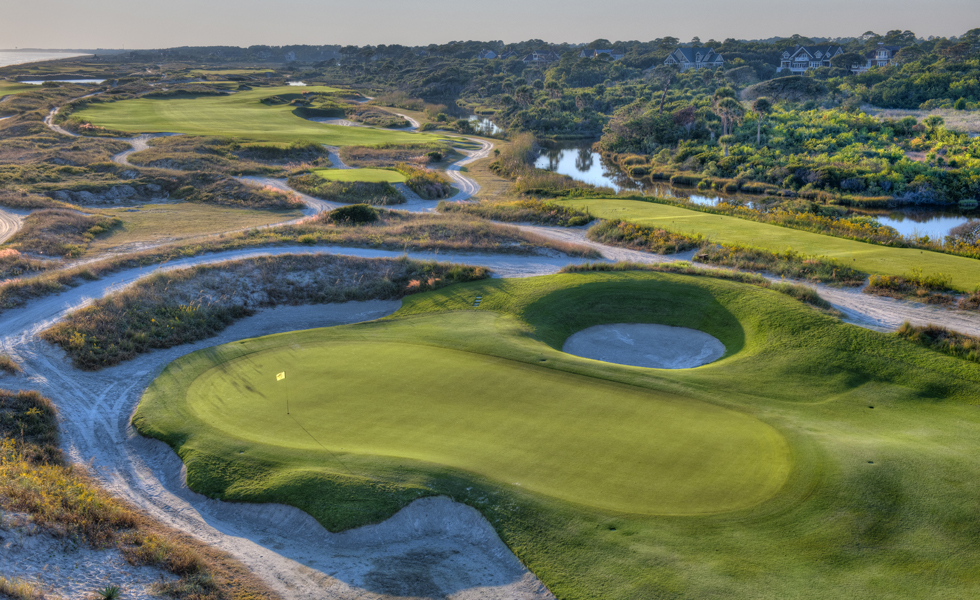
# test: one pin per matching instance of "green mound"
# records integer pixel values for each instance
(369, 175)
(811, 448)
(242, 115)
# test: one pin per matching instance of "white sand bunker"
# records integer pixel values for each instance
(643, 345)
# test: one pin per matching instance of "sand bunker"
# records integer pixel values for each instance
(644, 345)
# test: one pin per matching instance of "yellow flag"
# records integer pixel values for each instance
(281, 376)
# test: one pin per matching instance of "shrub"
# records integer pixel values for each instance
(8, 365)
(428, 184)
(942, 340)
(530, 210)
(355, 214)
(379, 193)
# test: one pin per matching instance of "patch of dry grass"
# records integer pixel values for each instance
(8, 365)
(958, 120)
(14, 264)
(20, 589)
(390, 156)
(177, 307)
(63, 501)
(60, 232)
(942, 340)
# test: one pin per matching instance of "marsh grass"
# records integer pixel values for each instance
(63, 501)
(59, 232)
(176, 307)
(942, 340)
(530, 210)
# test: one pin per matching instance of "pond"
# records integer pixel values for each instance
(484, 126)
(581, 163)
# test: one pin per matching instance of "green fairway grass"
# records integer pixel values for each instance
(813, 457)
(871, 258)
(241, 115)
(9, 88)
(371, 175)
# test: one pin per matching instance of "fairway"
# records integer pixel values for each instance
(751, 477)
(371, 175)
(871, 258)
(9, 88)
(240, 115)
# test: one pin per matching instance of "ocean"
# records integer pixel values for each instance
(8, 58)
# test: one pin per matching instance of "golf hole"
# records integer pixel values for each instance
(646, 345)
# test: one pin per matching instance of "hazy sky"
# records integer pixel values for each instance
(168, 23)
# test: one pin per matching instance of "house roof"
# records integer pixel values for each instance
(813, 52)
(691, 54)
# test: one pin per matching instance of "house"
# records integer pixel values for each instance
(507, 55)
(694, 58)
(538, 58)
(486, 55)
(882, 56)
(290, 56)
(803, 58)
(595, 54)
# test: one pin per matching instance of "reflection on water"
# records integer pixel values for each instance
(484, 126)
(39, 82)
(296, 83)
(582, 164)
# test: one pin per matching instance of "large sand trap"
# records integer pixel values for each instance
(644, 345)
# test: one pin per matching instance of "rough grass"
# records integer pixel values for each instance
(942, 340)
(530, 210)
(26, 200)
(16, 588)
(864, 257)
(428, 184)
(933, 288)
(9, 365)
(242, 115)
(14, 264)
(378, 193)
(801, 292)
(177, 307)
(211, 188)
(648, 239)
(60, 232)
(883, 436)
(193, 153)
(65, 502)
(388, 156)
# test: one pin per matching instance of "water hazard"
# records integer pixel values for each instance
(581, 163)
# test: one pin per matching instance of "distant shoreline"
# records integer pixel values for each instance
(10, 58)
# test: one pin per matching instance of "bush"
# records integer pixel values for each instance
(355, 214)
(379, 193)
(428, 184)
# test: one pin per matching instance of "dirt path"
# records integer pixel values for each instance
(467, 187)
(432, 548)
(413, 124)
(138, 143)
(10, 222)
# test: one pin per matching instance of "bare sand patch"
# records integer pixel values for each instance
(646, 345)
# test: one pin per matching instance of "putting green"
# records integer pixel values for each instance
(571, 437)
(372, 175)
(813, 457)
(239, 115)
(871, 258)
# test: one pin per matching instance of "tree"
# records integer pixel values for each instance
(584, 101)
(663, 76)
(725, 105)
(933, 123)
(761, 107)
(524, 95)
(847, 60)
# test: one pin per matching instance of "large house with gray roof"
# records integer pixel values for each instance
(694, 58)
(803, 58)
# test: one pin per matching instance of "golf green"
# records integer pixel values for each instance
(871, 258)
(240, 115)
(605, 445)
(371, 175)
(813, 457)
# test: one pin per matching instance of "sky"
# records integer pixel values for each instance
(170, 23)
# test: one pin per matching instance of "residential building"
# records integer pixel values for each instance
(803, 58)
(694, 58)
(595, 54)
(507, 55)
(535, 58)
(882, 56)
(290, 56)
(487, 55)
